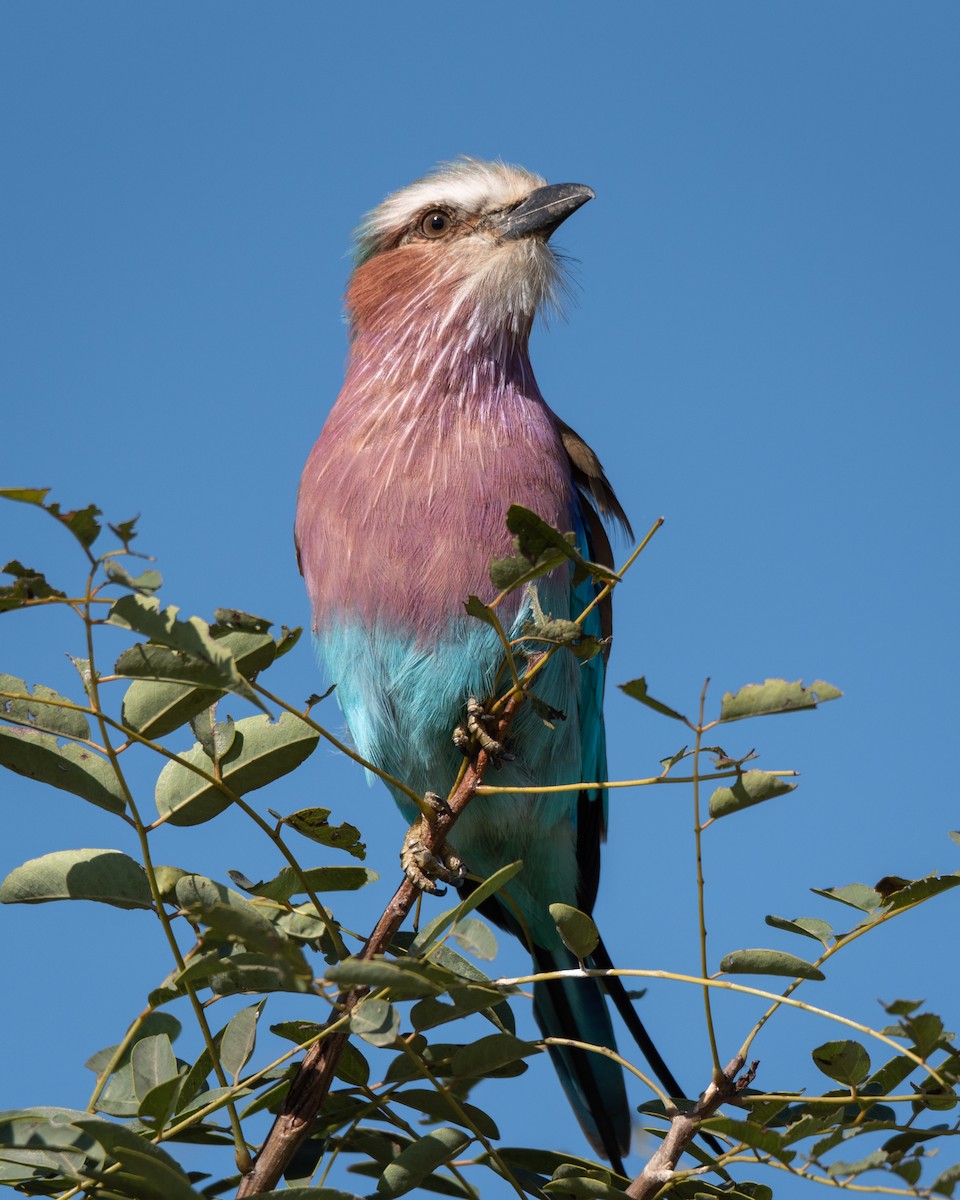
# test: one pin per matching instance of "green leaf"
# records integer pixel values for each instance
(29, 585)
(475, 607)
(753, 787)
(489, 1053)
(459, 1002)
(297, 1031)
(25, 495)
(909, 1169)
(856, 895)
(198, 657)
(301, 922)
(149, 1025)
(432, 931)
(39, 1144)
(239, 1038)
(261, 752)
(872, 1162)
(845, 1061)
(81, 522)
(476, 937)
(125, 530)
(409, 981)
(577, 930)
(769, 962)
(637, 690)
(119, 1098)
(811, 927)
(775, 696)
(542, 1162)
(103, 875)
(891, 1074)
(582, 1187)
(559, 631)
(214, 737)
(41, 709)
(146, 1172)
(167, 879)
(275, 962)
(153, 1062)
(154, 709)
(916, 890)
(146, 583)
(245, 972)
(437, 1106)
(376, 1021)
(420, 1159)
(194, 1082)
(318, 879)
(902, 1008)
(226, 912)
(536, 540)
(510, 573)
(218, 1096)
(670, 762)
(70, 768)
(946, 1181)
(313, 823)
(160, 1102)
(926, 1032)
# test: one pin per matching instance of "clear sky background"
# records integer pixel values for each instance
(763, 349)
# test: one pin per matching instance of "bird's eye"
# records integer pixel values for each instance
(436, 223)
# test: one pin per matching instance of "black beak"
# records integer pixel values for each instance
(543, 210)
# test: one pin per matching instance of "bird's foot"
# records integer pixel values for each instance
(472, 734)
(423, 866)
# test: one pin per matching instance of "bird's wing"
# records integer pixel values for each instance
(589, 477)
(596, 500)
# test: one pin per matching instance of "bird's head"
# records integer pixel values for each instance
(464, 249)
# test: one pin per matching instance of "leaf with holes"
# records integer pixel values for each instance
(775, 696)
(70, 767)
(261, 752)
(753, 787)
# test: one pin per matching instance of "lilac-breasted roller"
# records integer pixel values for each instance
(439, 428)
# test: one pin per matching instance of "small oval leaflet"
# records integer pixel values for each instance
(769, 962)
(845, 1061)
(577, 930)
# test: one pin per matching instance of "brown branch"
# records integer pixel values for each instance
(684, 1128)
(312, 1082)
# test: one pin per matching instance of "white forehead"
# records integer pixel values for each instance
(470, 185)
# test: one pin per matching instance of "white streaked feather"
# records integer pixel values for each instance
(468, 184)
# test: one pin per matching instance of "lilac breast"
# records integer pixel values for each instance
(403, 498)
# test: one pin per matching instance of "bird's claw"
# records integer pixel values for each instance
(473, 734)
(423, 867)
(437, 805)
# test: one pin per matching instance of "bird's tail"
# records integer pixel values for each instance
(593, 1083)
(614, 988)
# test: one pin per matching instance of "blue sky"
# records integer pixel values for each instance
(762, 349)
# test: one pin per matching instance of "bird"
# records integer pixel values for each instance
(439, 427)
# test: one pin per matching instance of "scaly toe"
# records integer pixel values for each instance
(423, 868)
(476, 720)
